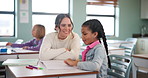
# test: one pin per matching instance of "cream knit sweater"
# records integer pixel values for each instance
(53, 48)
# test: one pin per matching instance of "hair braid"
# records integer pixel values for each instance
(106, 48)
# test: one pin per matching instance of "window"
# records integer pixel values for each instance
(45, 12)
(7, 18)
(104, 11)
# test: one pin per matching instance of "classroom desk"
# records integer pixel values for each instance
(116, 43)
(116, 50)
(139, 60)
(16, 55)
(22, 72)
(34, 54)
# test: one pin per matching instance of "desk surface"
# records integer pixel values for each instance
(15, 53)
(117, 41)
(139, 61)
(114, 48)
(22, 72)
(144, 56)
(109, 48)
(9, 52)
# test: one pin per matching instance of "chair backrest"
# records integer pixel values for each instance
(133, 40)
(120, 66)
(130, 47)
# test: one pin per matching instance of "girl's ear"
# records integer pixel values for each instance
(95, 34)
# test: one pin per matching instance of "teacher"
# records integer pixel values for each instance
(63, 43)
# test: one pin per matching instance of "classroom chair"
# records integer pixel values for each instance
(120, 66)
(129, 47)
(2, 70)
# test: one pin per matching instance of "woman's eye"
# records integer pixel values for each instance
(62, 25)
(69, 25)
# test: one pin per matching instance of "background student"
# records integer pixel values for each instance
(38, 32)
(94, 58)
(61, 44)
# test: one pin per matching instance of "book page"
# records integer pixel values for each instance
(56, 64)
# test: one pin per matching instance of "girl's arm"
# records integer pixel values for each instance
(71, 62)
(29, 43)
(34, 48)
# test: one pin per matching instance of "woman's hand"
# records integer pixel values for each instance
(8, 44)
(71, 62)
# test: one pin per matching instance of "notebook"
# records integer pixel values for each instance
(20, 62)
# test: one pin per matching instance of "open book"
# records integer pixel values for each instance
(16, 62)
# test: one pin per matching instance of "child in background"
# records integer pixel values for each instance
(38, 32)
(94, 58)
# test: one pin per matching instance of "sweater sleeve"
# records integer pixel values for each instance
(46, 51)
(29, 43)
(37, 47)
(74, 49)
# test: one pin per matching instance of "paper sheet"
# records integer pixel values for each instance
(20, 62)
(56, 64)
(21, 50)
(3, 44)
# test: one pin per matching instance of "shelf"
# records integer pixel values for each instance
(139, 35)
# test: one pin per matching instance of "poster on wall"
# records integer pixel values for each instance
(24, 17)
(23, 4)
(24, 14)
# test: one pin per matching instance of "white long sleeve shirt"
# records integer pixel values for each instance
(54, 48)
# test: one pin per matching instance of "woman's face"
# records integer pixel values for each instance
(87, 36)
(65, 27)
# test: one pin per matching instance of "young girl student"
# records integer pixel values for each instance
(38, 32)
(94, 58)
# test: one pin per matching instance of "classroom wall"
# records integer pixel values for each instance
(23, 30)
(129, 19)
(78, 14)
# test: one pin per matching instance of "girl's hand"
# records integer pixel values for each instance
(67, 49)
(8, 44)
(25, 47)
(71, 62)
